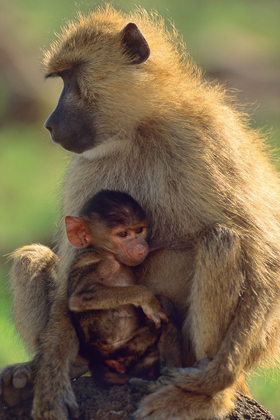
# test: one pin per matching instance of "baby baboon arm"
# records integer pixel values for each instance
(103, 297)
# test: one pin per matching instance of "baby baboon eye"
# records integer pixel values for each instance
(140, 229)
(122, 234)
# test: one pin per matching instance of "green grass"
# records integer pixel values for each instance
(32, 171)
(11, 346)
(265, 388)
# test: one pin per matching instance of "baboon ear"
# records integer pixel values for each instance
(78, 232)
(135, 43)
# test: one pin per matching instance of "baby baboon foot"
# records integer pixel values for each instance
(79, 367)
(15, 384)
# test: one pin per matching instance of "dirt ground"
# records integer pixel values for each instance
(119, 402)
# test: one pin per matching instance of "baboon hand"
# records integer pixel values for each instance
(168, 403)
(16, 384)
(169, 376)
(154, 311)
(58, 412)
(61, 406)
(145, 385)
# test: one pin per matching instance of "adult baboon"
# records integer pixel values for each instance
(140, 118)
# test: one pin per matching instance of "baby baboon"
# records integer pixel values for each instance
(105, 302)
(140, 118)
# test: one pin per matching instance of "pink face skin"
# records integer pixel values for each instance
(127, 243)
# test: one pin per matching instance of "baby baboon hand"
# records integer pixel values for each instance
(16, 384)
(154, 311)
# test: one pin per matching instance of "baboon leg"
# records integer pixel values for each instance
(32, 280)
(33, 284)
(216, 289)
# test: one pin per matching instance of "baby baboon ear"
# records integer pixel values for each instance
(135, 43)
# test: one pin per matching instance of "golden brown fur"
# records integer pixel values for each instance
(110, 325)
(176, 144)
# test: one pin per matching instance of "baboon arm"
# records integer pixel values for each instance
(103, 297)
(226, 368)
(226, 315)
(52, 388)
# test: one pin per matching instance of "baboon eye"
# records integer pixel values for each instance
(140, 229)
(66, 74)
(69, 74)
(122, 234)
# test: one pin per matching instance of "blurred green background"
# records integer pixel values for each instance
(235, 41)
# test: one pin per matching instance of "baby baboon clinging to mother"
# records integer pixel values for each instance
(140, 118)
(109, 311)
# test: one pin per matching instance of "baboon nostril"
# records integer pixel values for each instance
(48, 127)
